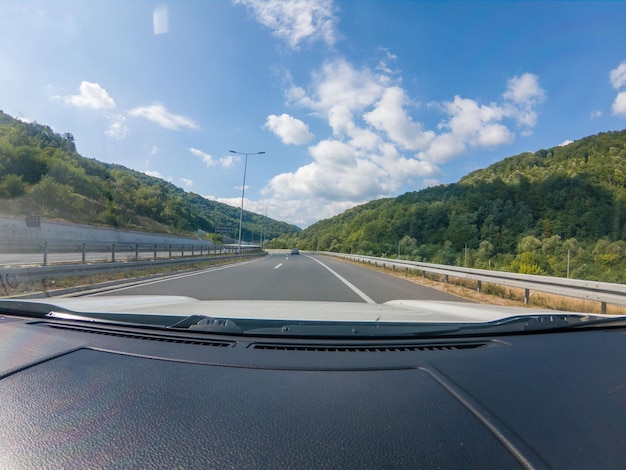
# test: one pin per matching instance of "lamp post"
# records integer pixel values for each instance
(243, 189)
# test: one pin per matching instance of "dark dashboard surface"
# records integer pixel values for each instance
(104, 397)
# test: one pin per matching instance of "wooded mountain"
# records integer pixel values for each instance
(42, 173)
(531, 213)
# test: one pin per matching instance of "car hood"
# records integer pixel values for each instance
(409, 311)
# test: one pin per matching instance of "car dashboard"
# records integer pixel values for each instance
(78, 395)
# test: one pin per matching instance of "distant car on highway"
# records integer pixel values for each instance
(295, 251)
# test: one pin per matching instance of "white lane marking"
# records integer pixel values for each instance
(354, 288)
(278, 265)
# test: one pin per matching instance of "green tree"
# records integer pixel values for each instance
(12, 186)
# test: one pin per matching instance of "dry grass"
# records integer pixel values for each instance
(493, 294)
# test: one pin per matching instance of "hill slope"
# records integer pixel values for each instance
(41, 173)
(527, 213)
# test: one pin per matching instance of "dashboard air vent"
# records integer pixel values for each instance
(369, 348)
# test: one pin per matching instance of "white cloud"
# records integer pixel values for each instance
(154, 150)
(91, 95)
(390, 116)
(618, 76)
(154, 174)
(524, 89)
(117, 130)
(228, 161)
(296, 21)
(159, 115)
(566, 142)
(289, 129)
(225, 162)
(187, 182)
(523, 94)
(206, 158)
(377, 146)
(339, 87)
(619, 105)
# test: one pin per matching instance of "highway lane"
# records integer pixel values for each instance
(281, 276)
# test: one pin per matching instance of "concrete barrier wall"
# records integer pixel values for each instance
(14, 229)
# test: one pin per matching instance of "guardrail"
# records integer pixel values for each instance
(11, 278)
(113, 251)
(603, 292)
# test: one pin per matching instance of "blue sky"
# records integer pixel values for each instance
(350, 100)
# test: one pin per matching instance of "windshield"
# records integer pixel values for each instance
(413, 160)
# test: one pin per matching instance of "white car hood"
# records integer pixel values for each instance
(414, 311)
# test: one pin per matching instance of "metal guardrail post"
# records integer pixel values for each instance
(45, 253)
(155, 252)
(136, 251)
(113, 252)
(84, 254)
(182, 250)
(170, 251)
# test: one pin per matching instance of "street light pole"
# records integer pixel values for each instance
(243, 189)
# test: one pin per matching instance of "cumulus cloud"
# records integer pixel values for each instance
(390, 116)
(187, 182)
(158, 114)
(91, 95)
(296, 21)
(289, 129)
(619, 105)
(377, 142)
(339, 88)
(618, 76)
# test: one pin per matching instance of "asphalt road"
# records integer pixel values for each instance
(281, 276)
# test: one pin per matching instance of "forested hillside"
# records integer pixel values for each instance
(42, 173)
(531, 213)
